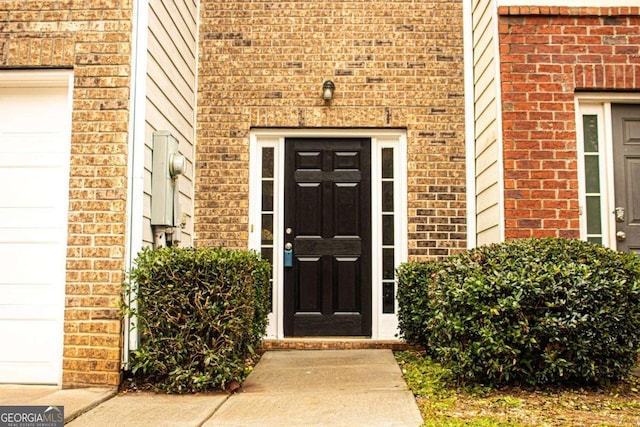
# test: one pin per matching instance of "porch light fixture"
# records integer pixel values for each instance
(327, 90)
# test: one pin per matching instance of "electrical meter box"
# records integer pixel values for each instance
(167, 164)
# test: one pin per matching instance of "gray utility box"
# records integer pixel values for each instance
(167, 165)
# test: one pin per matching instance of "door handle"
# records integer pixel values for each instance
(621, 235)
(619, 211)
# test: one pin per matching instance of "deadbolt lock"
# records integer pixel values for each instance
(619, 214)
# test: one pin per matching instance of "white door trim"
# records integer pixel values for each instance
(384, 326)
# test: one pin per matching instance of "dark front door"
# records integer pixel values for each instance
(626, 154)
(327, 224)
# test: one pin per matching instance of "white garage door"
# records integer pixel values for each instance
(35, 125)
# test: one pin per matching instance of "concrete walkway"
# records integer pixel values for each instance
(293, 388)
(322, 388)
(75, 401)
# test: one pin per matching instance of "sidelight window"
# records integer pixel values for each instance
(267, 210)
(388, 232)
(593, 189)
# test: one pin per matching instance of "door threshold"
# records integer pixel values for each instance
(333, 343)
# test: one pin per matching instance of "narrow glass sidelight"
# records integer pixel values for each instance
(591, 161)
(388, 232)
(267, 211)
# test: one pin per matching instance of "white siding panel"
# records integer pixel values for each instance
(483, 32)
(487, 176)
(177, 31)
(485, 221)
(171, 96)
(486, 124)
(489, 235)
(486, 127)
(179, 116)
(165, 66)
(486, 198)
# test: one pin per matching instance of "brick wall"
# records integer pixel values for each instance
(395, 64)
(94, 39)
(547, 54)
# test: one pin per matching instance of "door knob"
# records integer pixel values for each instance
(621, 235)
(619, 211)
(288, 246)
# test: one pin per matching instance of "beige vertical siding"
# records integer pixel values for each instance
(171, 96)
(486, 124)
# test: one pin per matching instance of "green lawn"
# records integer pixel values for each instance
(443, 404)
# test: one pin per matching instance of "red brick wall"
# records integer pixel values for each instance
(546, 55)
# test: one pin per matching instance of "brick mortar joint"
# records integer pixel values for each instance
(604, 11)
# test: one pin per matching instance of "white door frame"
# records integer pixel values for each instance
(384, 326)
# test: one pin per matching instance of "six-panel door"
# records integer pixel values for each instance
(327, 226)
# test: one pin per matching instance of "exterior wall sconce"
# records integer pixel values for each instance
(327, 90)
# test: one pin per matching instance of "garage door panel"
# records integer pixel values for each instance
(18, 296)
(30, 263)
(21, 218)
(35, 142)
(24, 111)
(26, 355)
(33, 187)
(37, 373)
(48, 236)
(18, 160)
(25, 314)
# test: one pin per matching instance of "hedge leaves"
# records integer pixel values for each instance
(200, 314)
(536, 311)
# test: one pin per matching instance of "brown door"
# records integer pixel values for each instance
(327, 224)
(626, 155)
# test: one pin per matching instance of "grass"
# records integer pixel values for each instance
(444, 404)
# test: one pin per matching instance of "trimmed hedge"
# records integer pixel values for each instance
(201, 312)
(535, 311)
(414, 300)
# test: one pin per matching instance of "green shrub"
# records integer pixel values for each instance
(536, 311)
(200, 314)
(413, 300)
